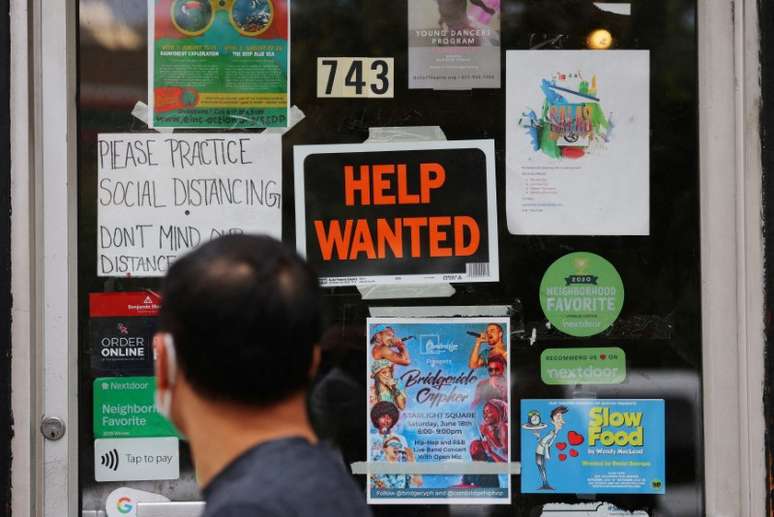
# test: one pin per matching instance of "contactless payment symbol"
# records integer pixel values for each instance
(581, 294)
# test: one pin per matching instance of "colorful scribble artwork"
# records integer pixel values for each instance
(572, 122)
(577, 142)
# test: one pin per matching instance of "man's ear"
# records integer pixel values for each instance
(161, 362)
(316, 359)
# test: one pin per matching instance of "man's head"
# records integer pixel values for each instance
(384, 416)
(496, 366)
(494, 334)
(557, 416)
(244, 316)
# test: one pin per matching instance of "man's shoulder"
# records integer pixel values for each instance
(241, 509)
(286, 480)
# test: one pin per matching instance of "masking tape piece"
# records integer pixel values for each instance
(385, 292)
(449, 311)
(405, 134)
(140, 112)
(296, 116)
(448, 468)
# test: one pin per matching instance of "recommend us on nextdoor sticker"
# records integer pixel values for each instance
(602, 365)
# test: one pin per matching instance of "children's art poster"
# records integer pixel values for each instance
(218, 63)
(439, 393)
(454, 44)
(583, 446)
(578, 142)
(398, 213)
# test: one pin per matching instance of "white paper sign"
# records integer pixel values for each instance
(577, 142)
(587, 510)
(136, 459)
(159, 196)
(122, 502)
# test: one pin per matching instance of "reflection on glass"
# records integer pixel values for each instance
(599, 39)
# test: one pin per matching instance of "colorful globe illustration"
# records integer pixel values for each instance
(189, 97)
(252, 16)
(192, 16)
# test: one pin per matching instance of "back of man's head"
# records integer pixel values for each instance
(244, 312)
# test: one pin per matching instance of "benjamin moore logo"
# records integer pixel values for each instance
(110, 459)
(124, 505)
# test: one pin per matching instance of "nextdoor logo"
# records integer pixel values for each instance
(583, 365)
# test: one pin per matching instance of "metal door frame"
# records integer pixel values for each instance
(44, 274)
(732, 258)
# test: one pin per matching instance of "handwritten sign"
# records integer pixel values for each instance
(159, 196)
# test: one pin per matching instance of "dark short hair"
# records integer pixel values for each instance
(498, 326)
(557, 410)
(477, 452)
(244, 312)
(384, 408)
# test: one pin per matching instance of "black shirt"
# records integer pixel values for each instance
(285, 478)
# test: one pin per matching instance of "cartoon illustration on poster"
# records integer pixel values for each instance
(454, 44)
(218, 63)
(398, 213)
(584, 446)
(439, 392)
(578, 142)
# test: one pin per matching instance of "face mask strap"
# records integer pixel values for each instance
(169, 346)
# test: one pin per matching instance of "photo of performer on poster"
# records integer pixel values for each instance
(439, 392)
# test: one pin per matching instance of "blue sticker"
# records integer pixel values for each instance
(582, 446)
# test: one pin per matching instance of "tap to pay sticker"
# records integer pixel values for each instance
(135, 459)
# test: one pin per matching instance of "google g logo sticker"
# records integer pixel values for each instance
(123, 505)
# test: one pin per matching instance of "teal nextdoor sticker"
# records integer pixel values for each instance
(581, 294)
(124, 407)
(583, 365)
